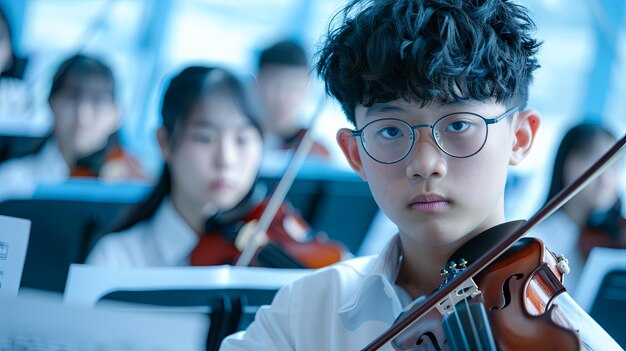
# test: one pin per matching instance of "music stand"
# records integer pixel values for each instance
(601, 290)
(230, 295)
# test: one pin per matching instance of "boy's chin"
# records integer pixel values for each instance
(434, 238)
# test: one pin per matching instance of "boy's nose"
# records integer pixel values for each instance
(426, 160)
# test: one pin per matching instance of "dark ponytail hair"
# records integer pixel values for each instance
(576, 140)
(181, 95)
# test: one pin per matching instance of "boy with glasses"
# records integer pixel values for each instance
(437, 92)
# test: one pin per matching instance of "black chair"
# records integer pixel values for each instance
(61, 234)
(229, 310)
(19, 146)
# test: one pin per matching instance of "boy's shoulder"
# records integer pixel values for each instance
(349, 275)
(335, 285)
(357, 267)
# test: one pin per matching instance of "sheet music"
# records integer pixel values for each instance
(40, 321)
(14, 233)
(86, 284)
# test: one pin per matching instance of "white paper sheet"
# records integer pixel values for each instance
(14, 233)
(37, 321)
(87, 284)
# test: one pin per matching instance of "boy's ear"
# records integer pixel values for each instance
(525, 129)
(350, 147)
(164, 145)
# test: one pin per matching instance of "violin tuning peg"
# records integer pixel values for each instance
(563, 264)
(462, 263)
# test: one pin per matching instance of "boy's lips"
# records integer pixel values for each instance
(428, 203)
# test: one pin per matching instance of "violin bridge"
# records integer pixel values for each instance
(467, 290)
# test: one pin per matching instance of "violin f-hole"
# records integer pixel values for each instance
(432, 338)
(506, 292)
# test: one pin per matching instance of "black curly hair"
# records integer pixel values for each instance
(428, 50)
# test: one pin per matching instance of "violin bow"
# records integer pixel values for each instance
(280, 192)
(415, 312)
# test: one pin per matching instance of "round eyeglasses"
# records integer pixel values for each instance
(459, 134)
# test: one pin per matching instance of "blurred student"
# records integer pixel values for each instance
(591, 218)
(283, 80)
(16, 101)
(84, 140)
(211, 141)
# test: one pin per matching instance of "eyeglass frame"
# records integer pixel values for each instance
(488, 121)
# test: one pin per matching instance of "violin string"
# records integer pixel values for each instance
(458, 320)
(473, 324)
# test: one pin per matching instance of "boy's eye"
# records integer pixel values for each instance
(390, 132)
(457, 126)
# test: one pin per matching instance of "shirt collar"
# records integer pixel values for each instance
(379, 283)
(173, 236)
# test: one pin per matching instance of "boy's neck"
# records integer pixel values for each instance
(420, 268)
(420, 271)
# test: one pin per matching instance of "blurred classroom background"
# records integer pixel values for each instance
(581, 78)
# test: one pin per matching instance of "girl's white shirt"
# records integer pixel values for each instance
(163, 240)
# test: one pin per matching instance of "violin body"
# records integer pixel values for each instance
(517, 291)
(287, 244)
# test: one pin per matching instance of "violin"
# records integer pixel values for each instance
(498, 290)
(286, 244)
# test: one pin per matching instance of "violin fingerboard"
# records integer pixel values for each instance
(467, 328)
